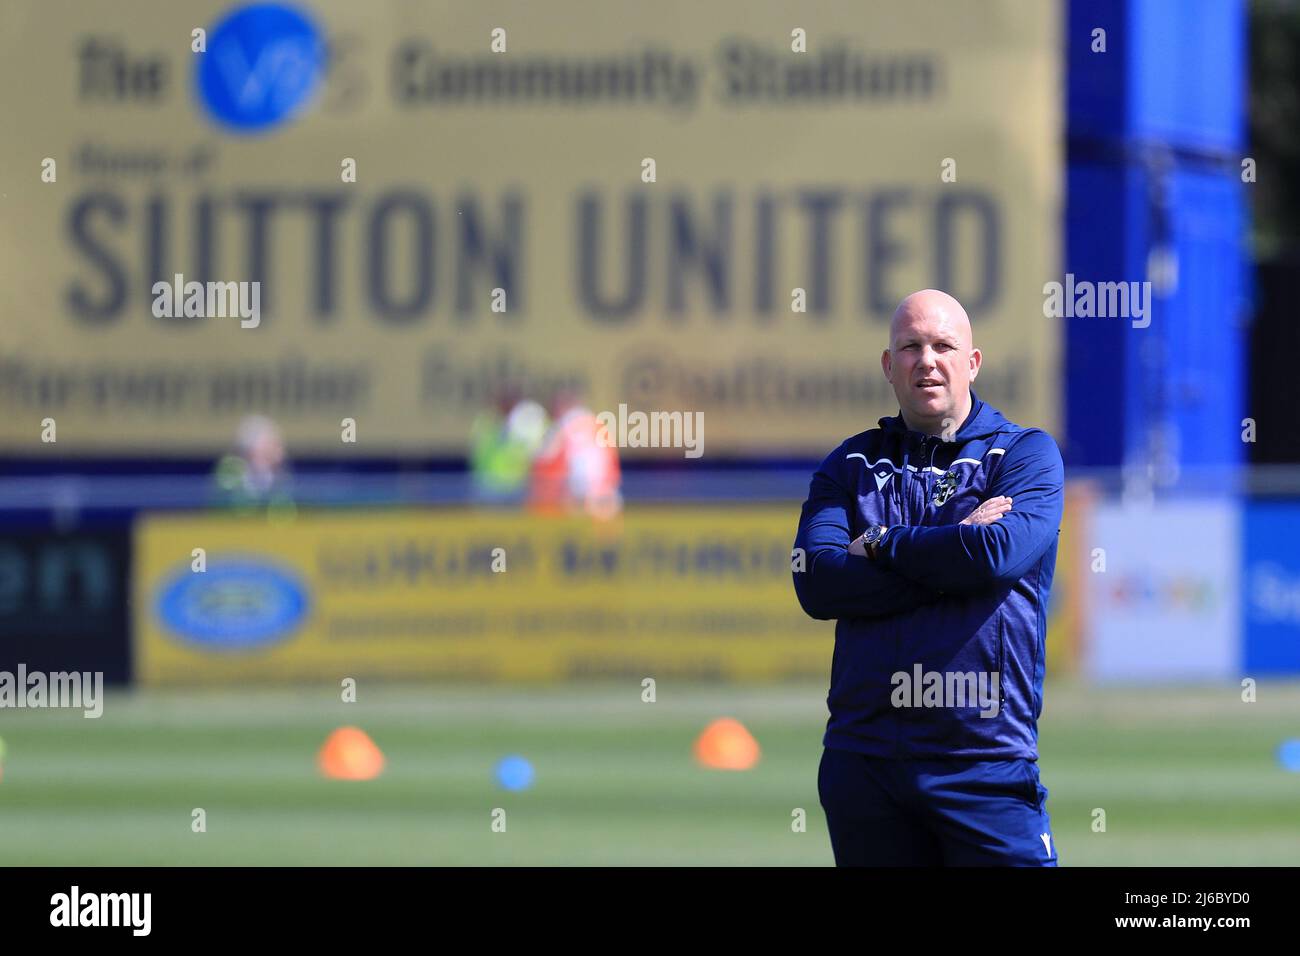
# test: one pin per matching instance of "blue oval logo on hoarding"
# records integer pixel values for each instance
(234, 605)
(262, 65)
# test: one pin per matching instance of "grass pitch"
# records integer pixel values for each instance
(1186, 776)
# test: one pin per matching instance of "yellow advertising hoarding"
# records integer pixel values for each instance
(1066, 619)
(678, 206)
(674, 592)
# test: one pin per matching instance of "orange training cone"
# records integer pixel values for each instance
(726, 745)
(349, 754)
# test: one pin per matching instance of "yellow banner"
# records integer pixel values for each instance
(668, 592)
(672, 592)
(387, 212)
(1066, 613)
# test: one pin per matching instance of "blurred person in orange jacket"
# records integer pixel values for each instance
(575, 470)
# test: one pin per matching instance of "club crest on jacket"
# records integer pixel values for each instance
(944, 488)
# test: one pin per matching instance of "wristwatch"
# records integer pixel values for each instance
(872, 538)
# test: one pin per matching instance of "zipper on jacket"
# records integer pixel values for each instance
(1002, 661)
(929, 475)
(905, 502)
(923, 473)
(909, 508)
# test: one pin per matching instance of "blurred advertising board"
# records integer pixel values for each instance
(1270, 588)
(432, 212)
(63, 600)
(406, 594)
(1162, 591)
(675, 591)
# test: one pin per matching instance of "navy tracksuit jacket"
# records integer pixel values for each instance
(940, 597)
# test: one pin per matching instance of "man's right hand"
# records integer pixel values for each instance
(990, 511)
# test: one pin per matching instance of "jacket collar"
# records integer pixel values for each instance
(982, 420)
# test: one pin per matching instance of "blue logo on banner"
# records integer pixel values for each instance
(1270, 588)
(235, 605)
(262, 65)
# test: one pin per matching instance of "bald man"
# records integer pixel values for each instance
(931, 541)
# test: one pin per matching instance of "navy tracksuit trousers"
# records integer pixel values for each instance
(886, 812)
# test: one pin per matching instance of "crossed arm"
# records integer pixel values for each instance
(917, 565)
(970, 558)
(832, 583)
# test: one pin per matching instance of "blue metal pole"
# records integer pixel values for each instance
(1154, 194)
